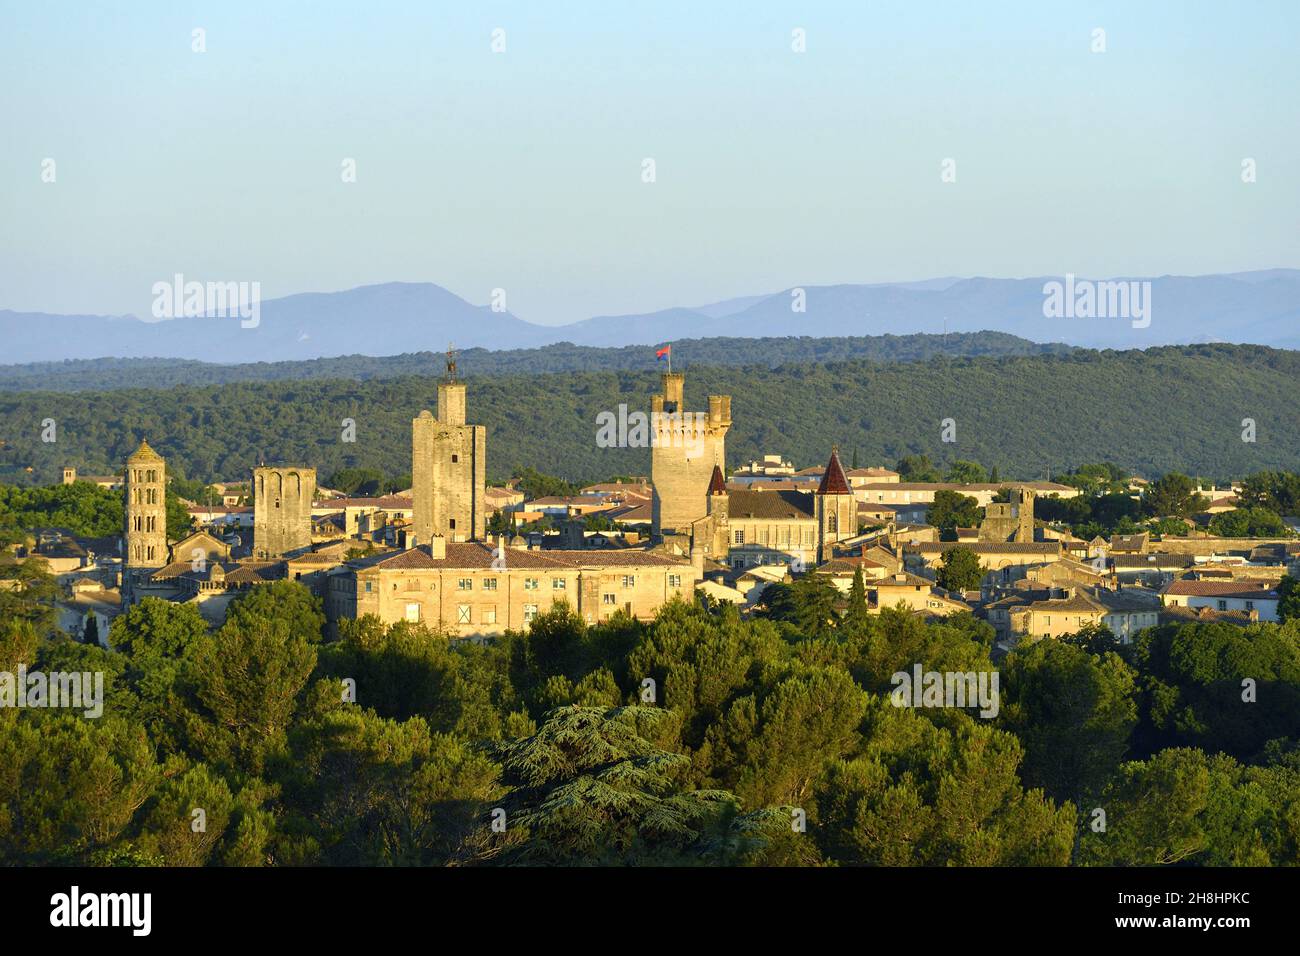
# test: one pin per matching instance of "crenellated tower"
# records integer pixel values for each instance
(686, 447)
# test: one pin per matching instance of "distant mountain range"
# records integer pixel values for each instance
(1260, 308)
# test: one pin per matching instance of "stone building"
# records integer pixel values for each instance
(746, 528)
(475, 590)
(146, 516)
(448, 471)
(685, 448)
(282, 501)
(1009, 521)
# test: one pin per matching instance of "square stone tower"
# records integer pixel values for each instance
(448, 472)
(145, 487)
(282, 498)
(686, 446)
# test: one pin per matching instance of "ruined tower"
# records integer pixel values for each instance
(448, 469)
(145, 487)
(686, 448)
(1011, 520)
(282, 498)
(835, 507)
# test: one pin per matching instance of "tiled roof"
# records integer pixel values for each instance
(770, 504)
(145, 453)
(472, 555)
(833, 481)
(382, 501)
(988, 547)
(1153, 560)
(1223, 589)
(1078, 602)
(1126, 599)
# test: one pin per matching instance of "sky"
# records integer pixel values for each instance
(523, 170)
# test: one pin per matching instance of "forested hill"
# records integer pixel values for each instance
(109, 373)
(1177, 408)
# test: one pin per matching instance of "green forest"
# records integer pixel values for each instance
(698, 739)
(1163, 409)
(110, 373)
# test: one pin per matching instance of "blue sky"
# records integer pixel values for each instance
(522, 170)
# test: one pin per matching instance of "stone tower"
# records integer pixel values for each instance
(282, 498)
(835, 507)
(686, 446)
(448, 470)
(1024, 499)
(145, 487)
(1011, 520)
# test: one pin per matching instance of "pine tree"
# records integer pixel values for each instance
(857, 612)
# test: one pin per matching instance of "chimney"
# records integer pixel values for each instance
(438, 547)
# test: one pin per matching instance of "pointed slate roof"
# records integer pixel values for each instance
(717, 484)
(833, 481)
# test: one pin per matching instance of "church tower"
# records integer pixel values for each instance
(686, 448)
(145, 487)
(836, 508)
(448, 469)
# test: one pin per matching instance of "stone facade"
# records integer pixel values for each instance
(686, 446)
(282, 499)
(475, 590)
(448, 472)
(746, 528)
(146, 511)
(1009, 521)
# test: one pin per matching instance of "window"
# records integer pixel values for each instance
(832, 523)
(530, 584)
(738, 537)
(558, 584)
(609, 599)
(455, 458)
(530, 612)
(462, 614)
(674, 580)
(452, 524)
(1250, 605)
(1223, 605)
(490, 614)
(629, 580)
(489, 584)
(465, 584)
(413, 612)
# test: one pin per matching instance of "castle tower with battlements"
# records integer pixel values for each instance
(686, 448)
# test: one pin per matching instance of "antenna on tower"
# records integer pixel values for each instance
(451, 362)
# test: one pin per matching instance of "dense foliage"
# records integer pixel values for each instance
(700, 738)
(112, 373)
(1023, 416)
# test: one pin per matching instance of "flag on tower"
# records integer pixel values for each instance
(664, 353)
